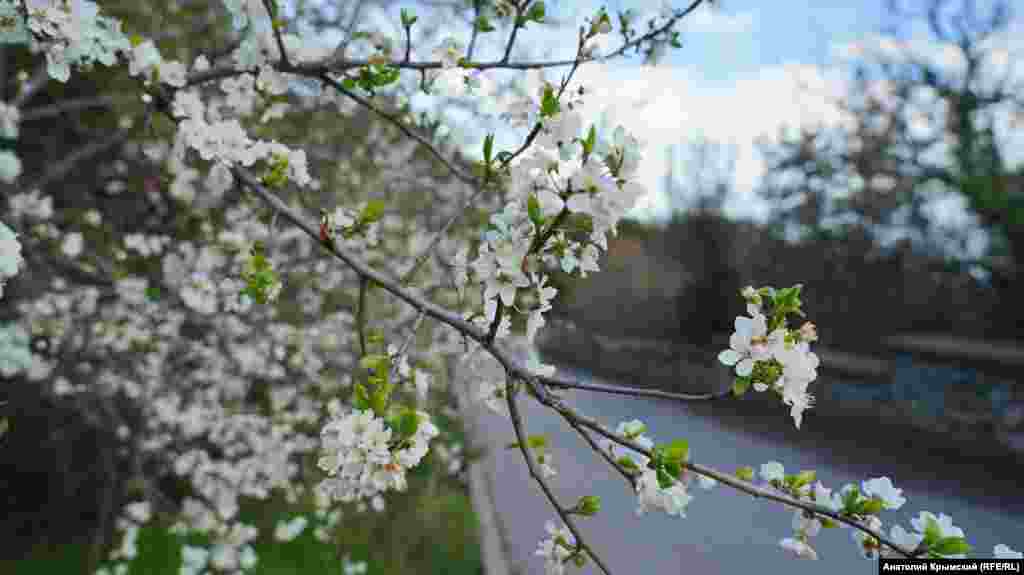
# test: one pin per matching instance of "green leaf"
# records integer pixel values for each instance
(588, 505)
(741, 385)
(850, 500)
(361, 399)
(950, 546)
(348, 83)
(483, 24)
(589, 141)
(372, 212)
(488, 148)
(745, 473)
(871, 506)
(408, 19)
(657, 457)
(379, 399)
(804, 478)
(272, 8)
(677, 451)
(932, 532)
(537, 442)
(549, 102)
(408, 423)
(536, 12)
(627, 463)
(375, 361)
(827, 523)
(664, 479)
(152, 293)
(533, 210)
(673, 468)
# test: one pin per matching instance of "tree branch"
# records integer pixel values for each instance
(517, 424)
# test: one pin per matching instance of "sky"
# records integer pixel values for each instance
(735, 79)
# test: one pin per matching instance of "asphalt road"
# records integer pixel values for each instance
(726, 531)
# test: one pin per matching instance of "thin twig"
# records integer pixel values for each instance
(401, 126)
(408, 339)
(277, 32)
(43, 112)
(564, 383)
(517, 424)
(407, 276)
(731, 481)
(338, 64)
(607, 457)
(516, 24)
(473, 35)
(66, 164)
(361, 268)
(361, 315)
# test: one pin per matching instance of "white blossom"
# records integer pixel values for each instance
(799, 548)
(10, 255)
(773, 470)
(1001, 551)
(882, 488)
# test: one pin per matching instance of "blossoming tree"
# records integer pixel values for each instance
(221, 327)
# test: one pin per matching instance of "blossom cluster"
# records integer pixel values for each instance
(566, 172)
(651, 492)
(788, 365)
(556, 549)
(934, 535)
(363, 456)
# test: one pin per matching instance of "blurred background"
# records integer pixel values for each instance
(869, 150)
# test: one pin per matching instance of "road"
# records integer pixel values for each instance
(726, 531)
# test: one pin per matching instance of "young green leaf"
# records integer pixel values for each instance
(745, 473)
(408, 423)
(483, 24)
(950, 546)
(677, 451)
(536, 12)
(408, 19)
(588, 505)
(533, 210)
(372, 212)
(488, 148)
(549, 102)
(740, 385)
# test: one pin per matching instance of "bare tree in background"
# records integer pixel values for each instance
(708, 175)
(699, 236)
(916, 124)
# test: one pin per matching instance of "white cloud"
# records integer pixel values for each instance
(666, 106)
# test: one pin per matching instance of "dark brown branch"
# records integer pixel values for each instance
(517, 424)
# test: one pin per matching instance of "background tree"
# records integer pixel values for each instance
(919, 121)
(700, 236)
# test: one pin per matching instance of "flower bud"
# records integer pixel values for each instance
(588, 505)
(601, 25)
(808, 332)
